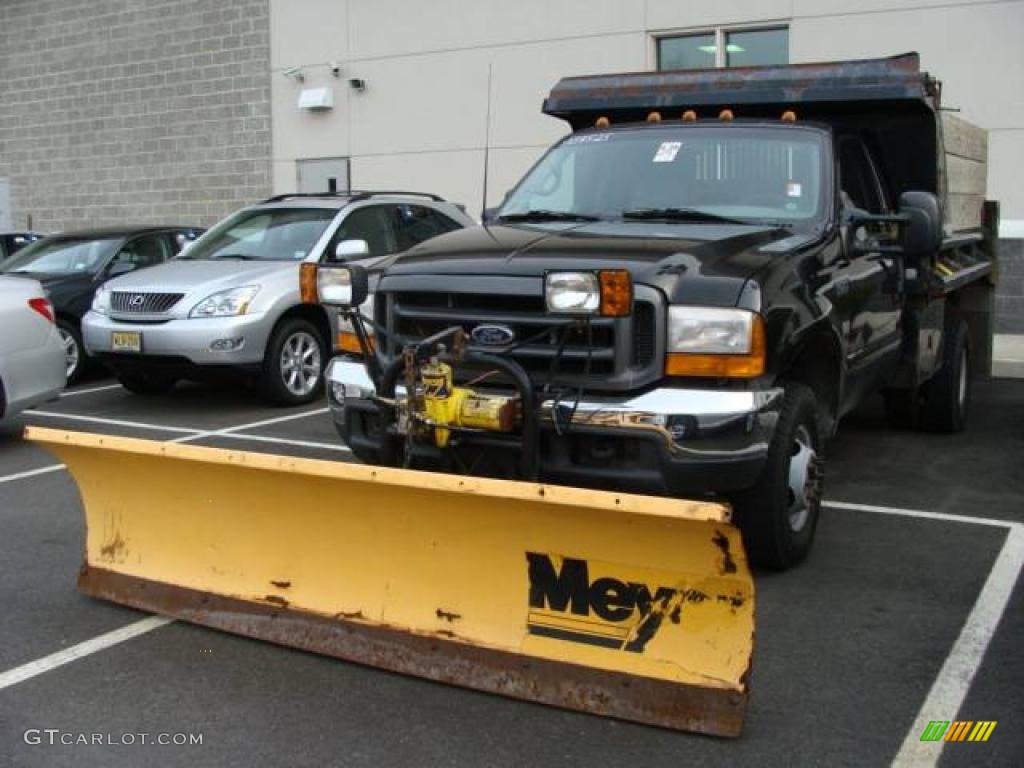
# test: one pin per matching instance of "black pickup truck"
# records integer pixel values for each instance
(687, 293)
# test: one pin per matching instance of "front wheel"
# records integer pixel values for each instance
(74, 351)
(779, 515)
(294, 364)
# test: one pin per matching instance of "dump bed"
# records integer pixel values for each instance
(889, 101)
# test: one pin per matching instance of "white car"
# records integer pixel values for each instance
(231, 301)
(32, 364)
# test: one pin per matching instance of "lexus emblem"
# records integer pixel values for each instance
(137, 300)
(491, 335)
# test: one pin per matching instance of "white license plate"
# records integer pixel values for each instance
(126, 341)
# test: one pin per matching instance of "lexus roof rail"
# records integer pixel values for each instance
(355, 194)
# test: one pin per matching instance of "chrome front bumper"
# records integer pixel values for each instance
(702, 424)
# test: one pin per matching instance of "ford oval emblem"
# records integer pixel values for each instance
(491, 335)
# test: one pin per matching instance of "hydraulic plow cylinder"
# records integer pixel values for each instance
(629, 606)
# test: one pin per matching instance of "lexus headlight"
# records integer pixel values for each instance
(101, 300)
(235, 301)
(711, 341)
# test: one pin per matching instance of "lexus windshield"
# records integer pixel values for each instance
(712, 174)
(281, 234)
(63, 256)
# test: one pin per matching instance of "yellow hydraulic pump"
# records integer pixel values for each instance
(445, 405)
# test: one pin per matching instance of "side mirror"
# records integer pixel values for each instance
(119, 268)
(334, 285)
(922, 228)
(489, 215)
(351, 249)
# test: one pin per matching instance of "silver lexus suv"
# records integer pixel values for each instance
(231, 301)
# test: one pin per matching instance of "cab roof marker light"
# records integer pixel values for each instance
(725, 115)
(654, 117)
(689, 116)
(789, 116)
(602, 122)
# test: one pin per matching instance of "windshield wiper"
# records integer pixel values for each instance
(544, 215)
(678, 214)
(240, 256)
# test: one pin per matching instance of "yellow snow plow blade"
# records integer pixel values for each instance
(629, 606)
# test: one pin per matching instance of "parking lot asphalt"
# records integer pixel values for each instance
(850, 647)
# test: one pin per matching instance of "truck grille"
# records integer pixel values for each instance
(619, 346)
(143, 303)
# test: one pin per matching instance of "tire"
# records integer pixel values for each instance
(146, 383)
(777, 521)
(74, 351)
(293, 367)
(947, 395)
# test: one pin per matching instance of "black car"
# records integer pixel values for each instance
(72, 265)
(12, 242)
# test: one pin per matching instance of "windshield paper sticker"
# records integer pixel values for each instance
(793, 189)
(667, 151)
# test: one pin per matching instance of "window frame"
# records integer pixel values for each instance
(721, 33)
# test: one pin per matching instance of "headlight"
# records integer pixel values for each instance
(101, 300)
(709, 341)
(709, 330)
(572, 293)
(228, 303)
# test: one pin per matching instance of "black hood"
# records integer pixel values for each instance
(701, 263)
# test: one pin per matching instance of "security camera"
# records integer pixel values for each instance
(357, 84)
(335, 68)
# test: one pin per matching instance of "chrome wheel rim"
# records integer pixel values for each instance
(71, 353)
(804, 479)
(300, 363)
(961, 392)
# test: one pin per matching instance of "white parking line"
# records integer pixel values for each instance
(31, 473)
(950, 688)
(920, 513)
(86, 648)
(116, 422)
(953, 682)
(189, 435)
(89, 391)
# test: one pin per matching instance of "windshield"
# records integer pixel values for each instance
(63, 256)
(710, 173)
(284, 234)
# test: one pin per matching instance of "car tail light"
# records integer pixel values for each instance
(43, 307)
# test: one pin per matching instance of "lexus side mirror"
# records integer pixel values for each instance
(351, 249)
(922, 228)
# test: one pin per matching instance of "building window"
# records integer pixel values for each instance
(724, 48)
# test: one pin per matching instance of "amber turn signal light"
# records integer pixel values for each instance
(616, 292)
(349, 342)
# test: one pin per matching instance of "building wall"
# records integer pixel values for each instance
(422, 123)
(115, 111)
